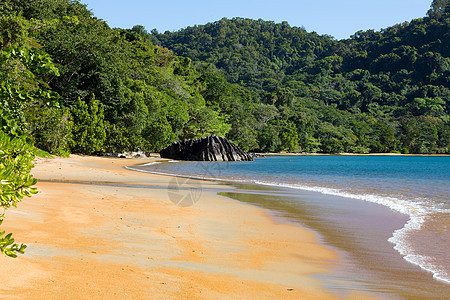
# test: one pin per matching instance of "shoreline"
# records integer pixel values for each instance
(400, 221)
(127, 238)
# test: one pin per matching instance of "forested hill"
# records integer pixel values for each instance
(377, 91)
(249, 51)
(71, 84)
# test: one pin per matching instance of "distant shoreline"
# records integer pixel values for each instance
(345, 154)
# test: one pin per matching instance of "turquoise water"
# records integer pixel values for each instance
(417, 187)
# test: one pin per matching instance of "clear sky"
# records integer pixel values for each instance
(338, 18)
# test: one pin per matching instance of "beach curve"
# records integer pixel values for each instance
(99, 230)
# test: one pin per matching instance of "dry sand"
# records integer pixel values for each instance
(99, 231)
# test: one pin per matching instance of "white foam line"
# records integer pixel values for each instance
(184, 176)
(147, 171)
(424, 262)
(151, 163)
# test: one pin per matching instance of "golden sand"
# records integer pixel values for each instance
(99, 231)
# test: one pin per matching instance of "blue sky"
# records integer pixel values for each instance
(336, 18)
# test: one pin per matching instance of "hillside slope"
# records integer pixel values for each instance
(380, 91)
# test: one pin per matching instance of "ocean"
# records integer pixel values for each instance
(387, 215)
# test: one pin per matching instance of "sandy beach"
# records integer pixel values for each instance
(97, 230)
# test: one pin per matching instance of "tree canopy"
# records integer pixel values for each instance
(370, 93)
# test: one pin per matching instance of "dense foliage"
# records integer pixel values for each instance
(23, 68)
(384, 91)
(146, 97)
(16, 182)
(265, 86)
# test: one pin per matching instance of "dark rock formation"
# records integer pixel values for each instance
(211, 148)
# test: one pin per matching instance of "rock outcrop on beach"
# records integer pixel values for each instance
(211, 148)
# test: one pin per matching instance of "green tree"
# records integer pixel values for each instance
(289, 138)
(438, 8)
(16, 182)
(88, 129)
(23, 71)
(421, 135)
(268, 138)
(51, 129)
(205, 121)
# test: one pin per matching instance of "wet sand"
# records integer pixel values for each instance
(97, 230)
